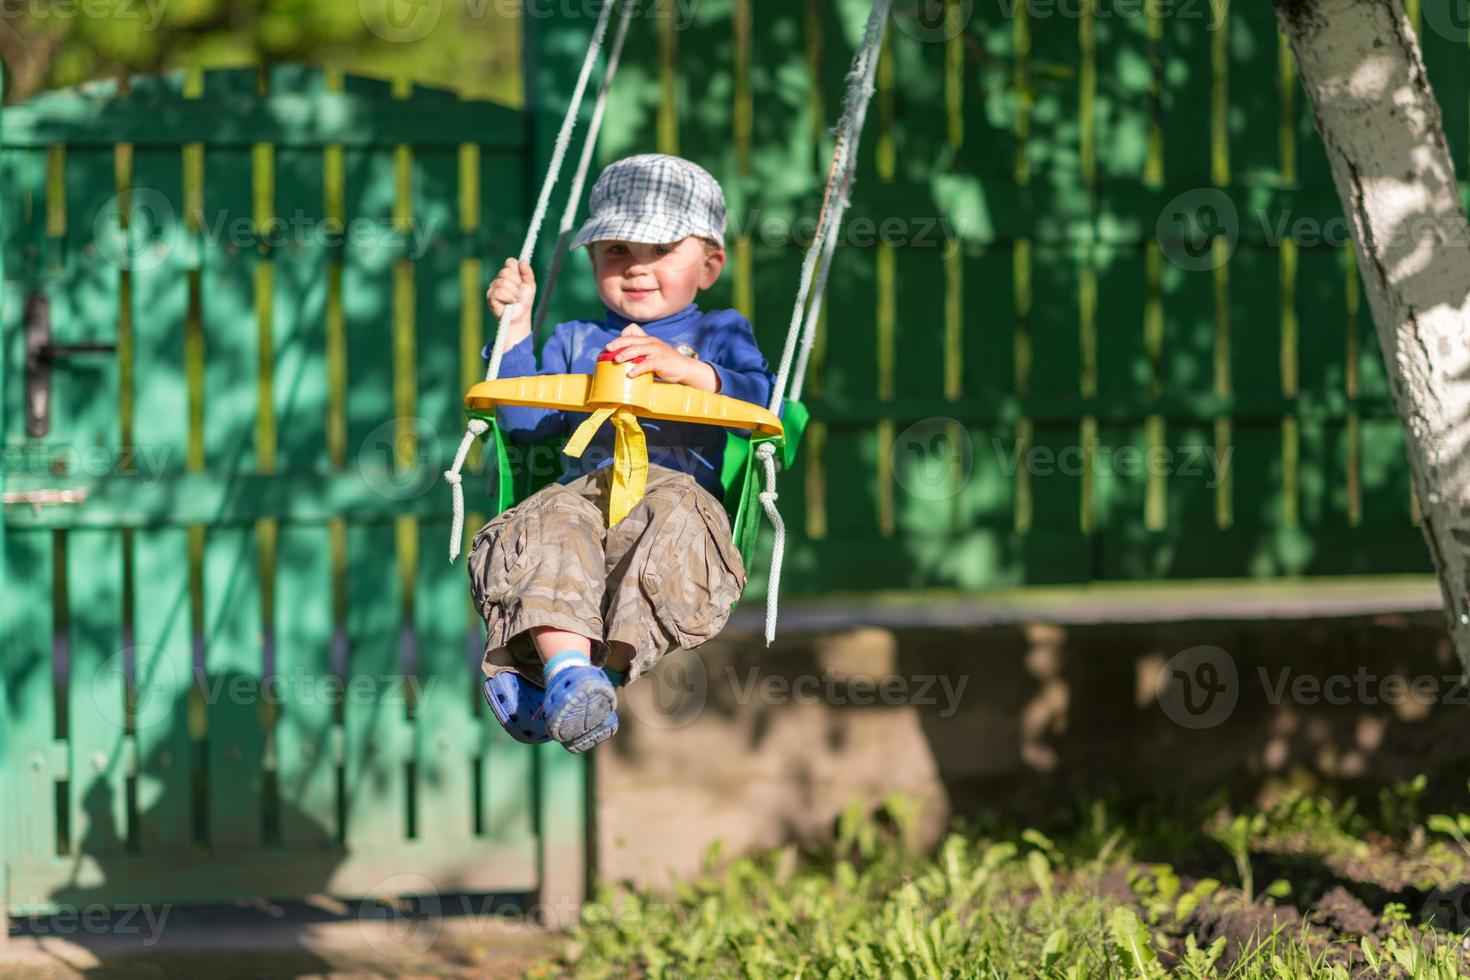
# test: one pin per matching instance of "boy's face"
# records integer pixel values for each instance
(650, 282)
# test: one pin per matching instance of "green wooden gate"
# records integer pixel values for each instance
(240, 310)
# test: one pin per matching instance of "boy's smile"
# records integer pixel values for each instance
(649, 282)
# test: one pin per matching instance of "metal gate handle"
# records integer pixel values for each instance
(41, 353)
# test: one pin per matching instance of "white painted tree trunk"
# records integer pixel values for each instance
(1362, 69)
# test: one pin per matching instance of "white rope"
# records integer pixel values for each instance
(819, 289)
(478, 427)
(807, 311)
(839, 179)
(765, 453)
(579, 179)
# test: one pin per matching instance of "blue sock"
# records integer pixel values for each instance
(563, 660)
(617, 677)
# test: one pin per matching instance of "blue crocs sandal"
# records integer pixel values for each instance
(579, 707)
(519, 707)
(516, 704)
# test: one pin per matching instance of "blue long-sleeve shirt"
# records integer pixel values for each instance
(722, 338)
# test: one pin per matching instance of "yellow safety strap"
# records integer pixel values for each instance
(630, 457)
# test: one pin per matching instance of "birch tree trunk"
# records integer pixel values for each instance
(1362, 69)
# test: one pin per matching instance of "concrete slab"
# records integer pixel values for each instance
(1200, 600)
(447, 936)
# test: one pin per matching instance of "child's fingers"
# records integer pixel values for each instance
(633, 330)
(631, 350)
(526, 275)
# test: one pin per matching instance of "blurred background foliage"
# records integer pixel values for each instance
(472, 46)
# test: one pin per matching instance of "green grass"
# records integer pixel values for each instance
(1201, 891)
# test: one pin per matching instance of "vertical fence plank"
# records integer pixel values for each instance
(1127, 162)
(765, 110)
(912, 244)
(29, 716)
(845, 450)
(85, 307)
(162, 615)
(1261, 308)
(27, 701)
(233, 627)
(706, 120)
(6, 805)
(444, 711)
(376, 783)
(1322, 539)
(1193, 306)
(306, 774)
(1055, 547)
(507, 767)
(988, 547)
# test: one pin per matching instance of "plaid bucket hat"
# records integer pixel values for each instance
(654, 199)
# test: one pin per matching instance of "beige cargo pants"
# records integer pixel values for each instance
(666, 575)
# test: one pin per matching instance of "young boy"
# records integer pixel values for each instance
(574, 608)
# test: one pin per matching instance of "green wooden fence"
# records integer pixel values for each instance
(999, 362)
(235, 659)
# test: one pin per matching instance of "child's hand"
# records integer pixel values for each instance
(662, 360)
(515, 284)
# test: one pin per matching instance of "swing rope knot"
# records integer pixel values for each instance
(766, 453)
(473, 430)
